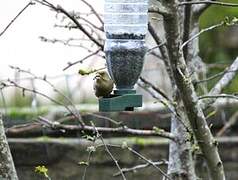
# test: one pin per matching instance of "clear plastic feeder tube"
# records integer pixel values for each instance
(125, 19)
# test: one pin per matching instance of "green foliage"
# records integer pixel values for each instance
(158, 130)
(25, 114)
(43, 171)
(211, 45)
(216, 46)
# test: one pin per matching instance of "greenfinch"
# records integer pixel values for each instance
(103, 85)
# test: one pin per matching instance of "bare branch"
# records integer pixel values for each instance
(156, 89)
(218, 96)
(93, 11)
(14, 19)
(91, 24)
(125, 146)
(109, 152)
(226, 79)
(125, 130)
(66, 42)
(186, 27)
(158, 46)
(140, 166)
(162, 47)
(201, 32)
(120, 123)
(58, 8)
(150, 162)
(214, 76)
(228, 124)
(81, 60)
(222, 83)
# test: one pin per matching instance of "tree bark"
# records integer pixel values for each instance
(182, 79)
(7, 168)
(181, 165)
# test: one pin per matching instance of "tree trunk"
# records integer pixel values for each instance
(181, 165)
(7, 168)
(187, 92)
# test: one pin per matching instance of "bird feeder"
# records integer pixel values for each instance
(125, 25)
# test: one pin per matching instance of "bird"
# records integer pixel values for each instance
(103, 84)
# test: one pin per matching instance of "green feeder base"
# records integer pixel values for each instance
(121, 100)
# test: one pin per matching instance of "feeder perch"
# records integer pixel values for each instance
(125, 27)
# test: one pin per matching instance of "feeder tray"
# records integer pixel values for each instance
(121, 100)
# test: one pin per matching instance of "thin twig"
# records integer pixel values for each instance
(108, 151)
(140, 166)
(201, 32)
(125, 146)
(94, 11)
(87, 165)
(14, 19)
(44, 79)
(81, 60)
(228, 124)
(153, 48)
(106, 118)
(90, 23)
(58, 8)
(218, 96)
(155, 88)
(221, 84)
(167, 104)
(24, 89)
(215, 76)
(150, 162)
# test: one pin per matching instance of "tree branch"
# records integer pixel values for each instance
(139, 167)
(24, 89)
(14, 19)
(233, 119)
(94, 11)
(81, 60)
(218, 96)
(56, 125)
(222, 83)
(201, 32)
(58, 8)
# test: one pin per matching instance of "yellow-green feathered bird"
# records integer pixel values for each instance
(103, 84)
